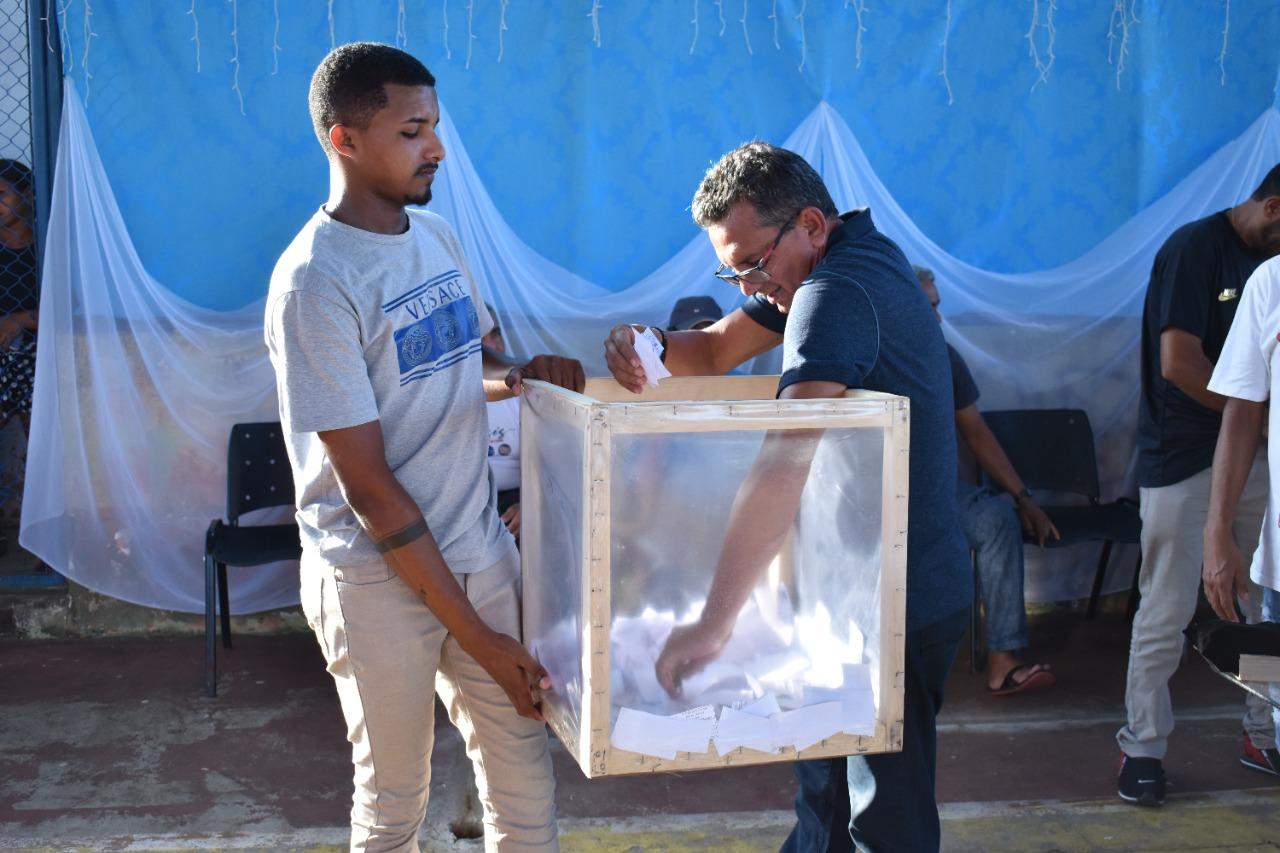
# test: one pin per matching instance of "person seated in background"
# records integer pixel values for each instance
(19, 291)
(504, 429)
(995, 529)
(19, 298)
(693, 313)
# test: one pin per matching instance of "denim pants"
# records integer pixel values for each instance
(991, 525)
(884, 802)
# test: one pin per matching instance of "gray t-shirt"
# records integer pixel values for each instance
(362, 327)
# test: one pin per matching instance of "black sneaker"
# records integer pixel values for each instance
(1141, 781)
(1266, 760)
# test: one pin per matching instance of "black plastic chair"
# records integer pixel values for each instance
(1052, 450)
(258, 476)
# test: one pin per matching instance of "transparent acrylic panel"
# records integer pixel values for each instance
(552, 498)
(808, 635)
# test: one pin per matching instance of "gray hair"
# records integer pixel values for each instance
(777, 182)
(922, 273)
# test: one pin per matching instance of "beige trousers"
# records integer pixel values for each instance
(385, 648)
(1173, 520)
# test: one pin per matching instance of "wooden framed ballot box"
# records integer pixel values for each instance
(626, 503)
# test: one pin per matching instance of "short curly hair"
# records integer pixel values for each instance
(16, 174)
(348, 86)
(777, 182)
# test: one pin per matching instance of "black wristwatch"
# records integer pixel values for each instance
(1018, 498)
(662, 356)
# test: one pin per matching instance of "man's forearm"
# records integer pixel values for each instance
(691, 354)
(1183, 363)
(992, 459)
(496, 390)
(753, 537)
(1192, 379)
(1232, 460)
(1198, 391)
(385, 510)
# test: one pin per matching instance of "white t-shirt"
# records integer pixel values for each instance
(361, 327)
(1249, 369)
(504, 443)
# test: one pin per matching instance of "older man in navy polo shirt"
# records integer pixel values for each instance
(843, 301)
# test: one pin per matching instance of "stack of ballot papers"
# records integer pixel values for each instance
(760, 725)
(772, 650)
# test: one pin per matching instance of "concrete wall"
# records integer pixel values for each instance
(74, 611)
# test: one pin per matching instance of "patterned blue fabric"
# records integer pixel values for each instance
(592, 153)
(583, 161)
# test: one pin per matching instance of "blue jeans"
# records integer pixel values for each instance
(992, 528)
(884, 802)
(1271, 613)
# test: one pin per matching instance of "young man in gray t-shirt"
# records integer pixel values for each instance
(373, 323)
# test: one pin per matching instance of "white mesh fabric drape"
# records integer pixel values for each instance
(136, 389)
(135, 394)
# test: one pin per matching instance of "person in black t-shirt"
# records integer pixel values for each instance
(1196, 282)
(19, 291)
(994, 528)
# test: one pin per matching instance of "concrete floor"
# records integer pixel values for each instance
(110, 745)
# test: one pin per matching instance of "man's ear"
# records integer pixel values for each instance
(1271, 206)
(813, 223)
(342, 140)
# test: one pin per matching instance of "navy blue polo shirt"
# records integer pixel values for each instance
(862, 320)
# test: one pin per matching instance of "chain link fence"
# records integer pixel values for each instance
(19, 276)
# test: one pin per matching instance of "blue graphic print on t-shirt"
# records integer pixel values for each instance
(442, 326)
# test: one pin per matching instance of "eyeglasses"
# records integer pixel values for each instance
(757, 273)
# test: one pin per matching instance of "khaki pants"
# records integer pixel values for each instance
(384, 648)
(1173, 520)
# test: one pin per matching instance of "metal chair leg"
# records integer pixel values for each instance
(976, 664)
(973, 637)
(210, 628)
(1098, 577)
(225, 604)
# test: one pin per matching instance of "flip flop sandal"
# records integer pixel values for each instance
(1041, 679)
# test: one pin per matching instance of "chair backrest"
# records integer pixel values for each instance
(258, 472)
(1051, 449)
